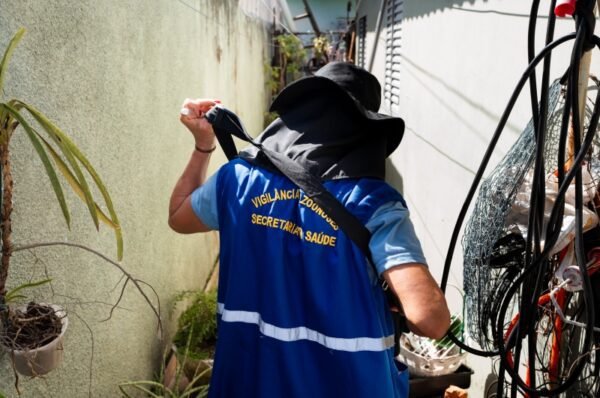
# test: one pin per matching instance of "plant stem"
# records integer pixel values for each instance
(135, 281)
(5, 216)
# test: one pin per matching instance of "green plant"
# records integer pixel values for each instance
(197, 324)
(272, 73)
(292, 55)
(60, 157)
(57, 152)
(179, 386)
(321, 46)
(15, 294)
(156, 389)
(456, 328)
(287, 67)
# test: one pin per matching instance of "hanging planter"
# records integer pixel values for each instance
(34, 338)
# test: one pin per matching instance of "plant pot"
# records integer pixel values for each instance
(195, 367)
(41, 360)
(192, 370)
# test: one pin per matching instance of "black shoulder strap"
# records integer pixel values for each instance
(225, 123)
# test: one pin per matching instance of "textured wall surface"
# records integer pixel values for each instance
(113, 74)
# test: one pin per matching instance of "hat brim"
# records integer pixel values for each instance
(307, 87)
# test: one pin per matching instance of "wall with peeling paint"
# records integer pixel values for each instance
(113, 74)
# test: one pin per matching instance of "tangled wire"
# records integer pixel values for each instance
(532, 244)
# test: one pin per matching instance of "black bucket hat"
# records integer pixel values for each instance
(358, 88)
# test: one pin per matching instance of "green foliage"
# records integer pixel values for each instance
(56, 152)
(8, 53)
(321, 45)
(13, 295)
(273, 74)
(193, 344)
(269, 118)
(288, 67)
(157, 389)
(293, 53)
(290, 46)
(197, 324)
(456, 328)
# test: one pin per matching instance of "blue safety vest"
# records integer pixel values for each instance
(300, 311)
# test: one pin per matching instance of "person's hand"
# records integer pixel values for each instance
(192, 116)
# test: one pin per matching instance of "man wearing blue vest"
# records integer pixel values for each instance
(301, 312)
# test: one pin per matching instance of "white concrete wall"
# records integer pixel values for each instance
(113, 74)
(460, 63)
(269, 11)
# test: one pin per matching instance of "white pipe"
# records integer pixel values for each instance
(377, 32)
(287, 15)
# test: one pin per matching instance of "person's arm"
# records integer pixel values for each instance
(182, 218)
(399, 259)
(423, 303)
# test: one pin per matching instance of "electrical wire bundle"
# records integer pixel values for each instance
(534, 283)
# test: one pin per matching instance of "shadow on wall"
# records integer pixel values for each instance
(424, 77)
(419, 9)
(415, 9)
(393, 176)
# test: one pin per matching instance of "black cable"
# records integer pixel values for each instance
(555, 223)
(492, 145)
(545, 51)
(536, 218)
(579, 243)
(479, 174)
(580, 156)
(530, 55)
(539, 183)
(537, 259)
(540, 261)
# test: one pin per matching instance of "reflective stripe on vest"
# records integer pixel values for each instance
(303, 333)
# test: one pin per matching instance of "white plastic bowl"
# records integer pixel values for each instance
(41, 360)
